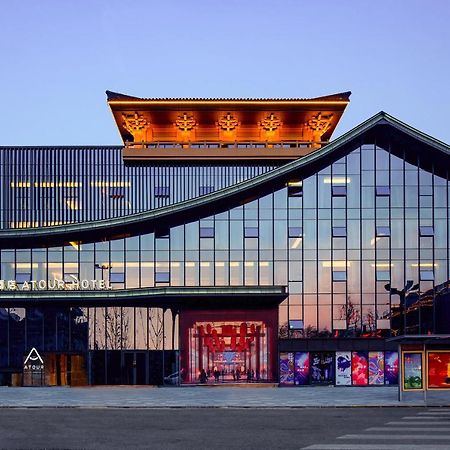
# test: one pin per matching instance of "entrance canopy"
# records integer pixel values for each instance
(163, 297)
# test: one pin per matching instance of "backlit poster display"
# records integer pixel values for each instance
(287, 369)
(412, 371)
(376, 368)
(301, 376)
(322, 368)
(438, 370)
(343, 368)
(391, 367)
(359, 368)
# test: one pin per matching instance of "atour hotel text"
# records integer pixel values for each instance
(54, 285)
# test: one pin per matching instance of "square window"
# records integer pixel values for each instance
(295, 232)
(426, 231)
(383, 191)
(339, 191)
(206, 232)
(162, 233)
(251, 232)
(383, 275)
(383, 231)
(70, 277)
(22, 277)
(295, 188)
(162, 277)
(161, 191)
(117, 277)
(339, 232)
(339, 275)
(116, 192)
(426, 275)
(204, 190)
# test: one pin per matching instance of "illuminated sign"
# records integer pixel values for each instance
(33, 361)
(54, 285)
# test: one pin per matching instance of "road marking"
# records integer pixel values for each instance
(407, 437)
(434, 413)
(407, 428)
(424, 418)
(376, 447)
(406, 424)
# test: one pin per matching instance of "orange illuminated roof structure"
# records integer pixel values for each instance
(209, 129)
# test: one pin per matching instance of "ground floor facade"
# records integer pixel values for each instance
(114, 345)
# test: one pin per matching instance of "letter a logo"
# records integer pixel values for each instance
(33, 356)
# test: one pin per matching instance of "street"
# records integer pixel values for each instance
(225, 428)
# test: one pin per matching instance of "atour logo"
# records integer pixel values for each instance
(33, 361)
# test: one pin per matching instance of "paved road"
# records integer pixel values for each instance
(226, 428)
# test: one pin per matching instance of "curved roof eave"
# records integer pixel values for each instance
(114, 226)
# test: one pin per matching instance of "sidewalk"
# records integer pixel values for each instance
(195, 397)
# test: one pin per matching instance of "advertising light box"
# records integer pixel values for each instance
(301, 361)
(343, 368)
(391, 367)
(412, 371)
(438, 369)
(376, 368)
(359, 368)
(322, 368)
(287, 369)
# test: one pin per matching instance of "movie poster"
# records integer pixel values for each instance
(301, 361)
(359, 368)
(438, 370)
(391, 367)
(286, 369)
(322, 368)
(343, 368)
(412, 371)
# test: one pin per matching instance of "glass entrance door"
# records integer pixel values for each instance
(228, 352)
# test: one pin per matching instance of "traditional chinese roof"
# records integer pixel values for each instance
(183, 120)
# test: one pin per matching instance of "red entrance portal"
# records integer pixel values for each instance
(228, 346)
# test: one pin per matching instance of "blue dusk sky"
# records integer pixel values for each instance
(59, 56)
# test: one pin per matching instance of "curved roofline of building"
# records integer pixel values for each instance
(124, 225)
(117, 96)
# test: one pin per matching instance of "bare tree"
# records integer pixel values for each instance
(155, 328)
